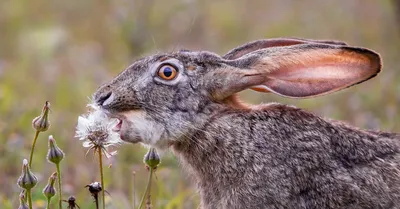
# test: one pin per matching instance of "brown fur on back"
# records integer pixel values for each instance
(284, 157)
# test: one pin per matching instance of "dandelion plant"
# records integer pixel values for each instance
(95, 129)
(22, 201)
(41, 123)
(151, 160)
(49, 190)
(94, 189)
(72, 203)
(27, 181)
(55, 155)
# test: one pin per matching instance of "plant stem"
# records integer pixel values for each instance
(28, 193)
(101, 178)
(96, 200)
(133, 190)
(33, 148)
(147, 188)
(59, 186)
(48, 203)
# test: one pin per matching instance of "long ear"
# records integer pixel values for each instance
(266, 43)
(304, 70)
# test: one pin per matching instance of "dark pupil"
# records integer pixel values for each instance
(167, 72)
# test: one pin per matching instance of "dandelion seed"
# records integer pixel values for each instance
(95, 130)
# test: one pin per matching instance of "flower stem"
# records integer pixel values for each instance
(33, 148)
(102, 178)
(147, 187)
(48, 203)
(96, 200)
(59, 186)
(133, 190)
(28, 193)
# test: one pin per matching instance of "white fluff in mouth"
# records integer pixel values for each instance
(97, 129)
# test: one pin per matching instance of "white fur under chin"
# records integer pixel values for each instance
(150, 132)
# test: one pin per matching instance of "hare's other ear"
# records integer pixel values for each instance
(303, 70)
(266, 43)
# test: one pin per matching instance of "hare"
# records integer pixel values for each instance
(265, 156)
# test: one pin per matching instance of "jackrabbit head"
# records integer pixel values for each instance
(162, 98)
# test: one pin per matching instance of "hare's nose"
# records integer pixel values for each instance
(104, 99)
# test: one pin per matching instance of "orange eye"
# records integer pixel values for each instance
(167, 72)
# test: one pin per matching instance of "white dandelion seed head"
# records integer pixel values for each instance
(95, 130)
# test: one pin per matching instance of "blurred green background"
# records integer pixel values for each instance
(62, 51)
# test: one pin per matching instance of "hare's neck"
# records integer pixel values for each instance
(213, 156)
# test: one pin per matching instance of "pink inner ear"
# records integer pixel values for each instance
(297, 77)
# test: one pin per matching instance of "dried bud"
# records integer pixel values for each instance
(94, 188)
(49, 191)
(71, 202)
(55, 154)
(22, 202)
(41, 122)
(152, 159)
(27, 180)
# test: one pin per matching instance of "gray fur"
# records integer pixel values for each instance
(268, 156)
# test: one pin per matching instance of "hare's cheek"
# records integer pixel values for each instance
(128, 133)
(138, 128)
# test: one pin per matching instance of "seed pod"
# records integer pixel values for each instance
(71, 203)
(54, 154)
(41, 122)
(49, 191)
(22, 202)
(94, 188)
(152, 159)
(27, 180)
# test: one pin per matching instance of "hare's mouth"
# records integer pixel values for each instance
(118, 116)
(120, 122)
(130, 125)
(117, 127)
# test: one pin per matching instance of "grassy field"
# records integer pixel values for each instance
(61, 51)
